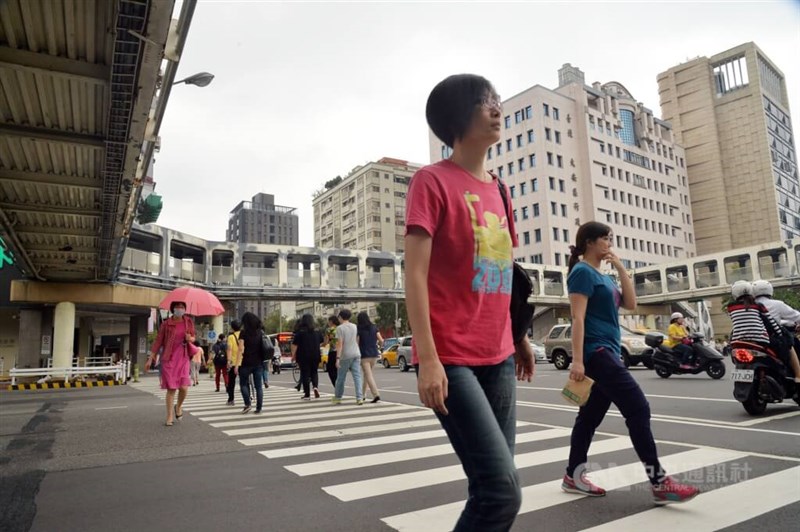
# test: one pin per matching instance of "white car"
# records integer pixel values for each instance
(539, 353)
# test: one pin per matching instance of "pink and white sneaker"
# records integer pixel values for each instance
(669, 491)
(582, 486)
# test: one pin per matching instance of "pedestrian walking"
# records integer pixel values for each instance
(349, 359)
(194, 366)
(459, 270)
(330, 341)
(233, 355)
(220, 361)
(306, 353)
(368, 340)
(251, 361)
(175, 340)
(594, 304)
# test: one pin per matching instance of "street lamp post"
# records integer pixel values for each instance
(201, 79)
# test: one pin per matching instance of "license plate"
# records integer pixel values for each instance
(742, 375)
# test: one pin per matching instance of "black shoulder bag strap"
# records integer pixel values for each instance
(521, 287)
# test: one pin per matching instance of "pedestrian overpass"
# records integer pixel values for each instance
(159, 257)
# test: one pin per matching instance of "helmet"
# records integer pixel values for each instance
(762, 288)
(741, 288)
(675, 316)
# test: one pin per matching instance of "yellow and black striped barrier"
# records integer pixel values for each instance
(62, 385)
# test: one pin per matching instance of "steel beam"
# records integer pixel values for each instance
(50, 179)
(50, 209)
(53, 135)
(51, 65)
(61, 231)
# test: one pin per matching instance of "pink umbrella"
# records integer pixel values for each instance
(199, 302)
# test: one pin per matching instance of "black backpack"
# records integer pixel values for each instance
(521, 289)
(220, 356)
(267, 349)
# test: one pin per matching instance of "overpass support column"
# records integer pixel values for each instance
(64, 334)
(85, 337)
(362, 271)
(138, 340)
(217, 324)
(650, 321)
(398, 275)
(283, 269)
(166, 244)
(30, 339)
(323, 271)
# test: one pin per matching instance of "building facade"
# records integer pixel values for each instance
(580, 153)
(262, 222)
(731, 113)
(366, 210)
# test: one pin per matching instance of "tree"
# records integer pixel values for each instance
(275, 322)
(387, 317)
(790, 296)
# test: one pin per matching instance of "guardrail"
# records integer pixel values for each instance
(120, 371)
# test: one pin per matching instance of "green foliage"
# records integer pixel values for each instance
(790, 296)
(387, 317)
(333, 182)
(275, 322)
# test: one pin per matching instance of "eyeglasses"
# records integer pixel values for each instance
(492, 102)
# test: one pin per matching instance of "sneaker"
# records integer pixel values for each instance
(686, 366)
(669, 491)
(376, 399)
(246, 409)
(336, 400)
(306, 398)
(257, 411)
(584, 486)
(359, 401)
(316, 393)
(229, 403)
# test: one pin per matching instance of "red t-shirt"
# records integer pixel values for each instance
(471, 268)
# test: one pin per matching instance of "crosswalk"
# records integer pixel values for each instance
(365, 453)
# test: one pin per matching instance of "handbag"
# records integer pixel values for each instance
(521, 289)
(267, 349)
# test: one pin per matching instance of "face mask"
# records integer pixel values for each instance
(179, 312)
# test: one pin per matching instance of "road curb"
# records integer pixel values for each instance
(61, 385)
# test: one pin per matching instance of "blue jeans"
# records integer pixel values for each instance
(481, 425)
(258, 383)
(613, 383)
(345, 365)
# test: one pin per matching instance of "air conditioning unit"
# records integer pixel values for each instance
(577, 221)
(572, 163)
(574, 177)
(569, 133)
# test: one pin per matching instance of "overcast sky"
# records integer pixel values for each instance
(307, 91)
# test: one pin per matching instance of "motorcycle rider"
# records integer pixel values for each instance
(753, 323)
(678, 340)
(782, 313)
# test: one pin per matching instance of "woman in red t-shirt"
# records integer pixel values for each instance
(459, 268)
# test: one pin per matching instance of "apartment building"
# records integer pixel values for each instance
(730, 111)
(366, 209)
(262, 222)
(580, 153)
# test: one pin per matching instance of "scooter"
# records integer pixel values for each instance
(276, 362)
(760, 377)
(667, 362)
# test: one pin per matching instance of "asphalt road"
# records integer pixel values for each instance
(101, 459)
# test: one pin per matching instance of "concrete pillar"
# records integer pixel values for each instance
(650, 321)
(30, 338)
(138, 340)
(323, 271)
(64, 334)
(217, 324)
(165, 245)
(398, 275)
(85, 344)
(283, 268)
(362, 271)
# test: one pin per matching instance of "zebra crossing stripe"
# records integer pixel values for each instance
(331, 412)
(548, 494)
(339, 433)
(373, 487)
(327, 423)
(719, 508)
(387, 457)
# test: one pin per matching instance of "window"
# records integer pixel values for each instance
(535, 210)
(565, 234)
(530, 135)
(546, 109)
(522, 188)
(528, 112)
(520, 164)
(555, 113)
(489, 154)
(532, 160)
(554, 208)
(510, 168)
(535, 184)
(552, 182)
(563, 210)
(526, 237)
(550, 158)
(519, 141)
(547, 135)
(555, 234)
(627, 134)
(515, 215)
(537, 235)
(499, 147)
(508, 122)
(560, 160)
(731, 75)
(561, 185)
(518, 117)
(558, 259)
(508, 144)
(500, 172)
(525, 213)
(558, 137)
(512, 188)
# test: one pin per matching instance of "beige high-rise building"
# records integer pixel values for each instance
(367, 209)
(731, 113)
(580, 153)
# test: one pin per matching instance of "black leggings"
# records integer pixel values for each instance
(330, 366)
(308, 373)
(685, 351)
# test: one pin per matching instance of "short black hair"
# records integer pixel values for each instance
(236, 325)
(451, 105)
(345, 314)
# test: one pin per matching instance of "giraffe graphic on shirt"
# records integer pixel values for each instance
(492, 256)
